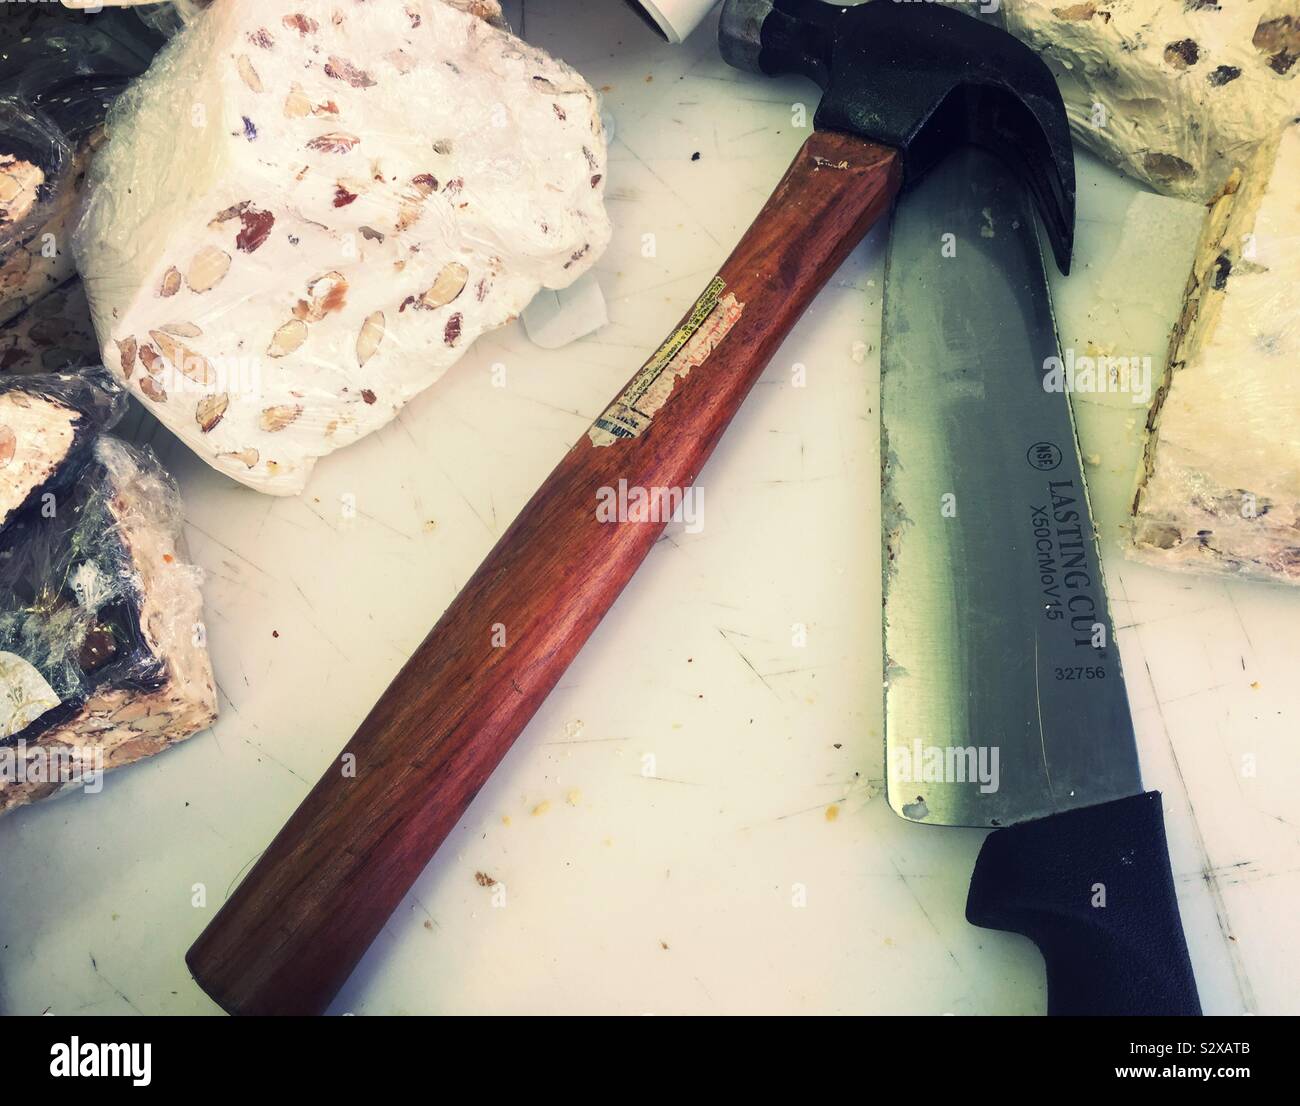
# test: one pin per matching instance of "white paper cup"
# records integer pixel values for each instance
(674, 19)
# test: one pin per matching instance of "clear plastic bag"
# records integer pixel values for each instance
(35, 172)
(101, 643)
(170, 18)
(73, 71)
(57, 82)
(47, 425)
(61, 580)
(54, 334)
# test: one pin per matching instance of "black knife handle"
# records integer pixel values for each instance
(1048, 880)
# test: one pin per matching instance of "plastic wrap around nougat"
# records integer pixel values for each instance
(307, 211)
(102, 649)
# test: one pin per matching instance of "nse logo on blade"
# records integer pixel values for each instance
(113, 1061)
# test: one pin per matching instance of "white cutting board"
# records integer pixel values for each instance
(694, 821)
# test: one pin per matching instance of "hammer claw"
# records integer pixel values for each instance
(923, 79)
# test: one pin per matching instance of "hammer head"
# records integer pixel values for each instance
(923, 79)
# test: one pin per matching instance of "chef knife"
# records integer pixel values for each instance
(1004, 697)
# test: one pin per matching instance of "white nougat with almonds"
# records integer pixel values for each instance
(1177, 93)
(1220, 486)
(1199, 99)
(308, 210)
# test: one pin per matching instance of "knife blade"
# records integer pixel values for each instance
(997, 630)
(1005, 703)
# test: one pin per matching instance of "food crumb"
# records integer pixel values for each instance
(832, 812)
(1254, 685)
(505, 819)
(541, 808)
(572, 797)
(663, 945)
(428, 925)
(484, 880)
(275, 633)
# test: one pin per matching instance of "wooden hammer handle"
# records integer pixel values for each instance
(291, 934)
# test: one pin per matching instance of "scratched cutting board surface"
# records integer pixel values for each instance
(694, 822)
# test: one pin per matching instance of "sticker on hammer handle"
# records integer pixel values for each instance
(712, 316)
